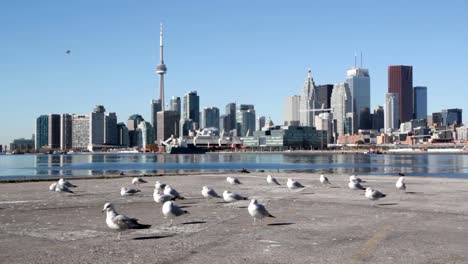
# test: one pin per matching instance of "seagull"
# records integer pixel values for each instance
(171, 211)
(168, 190)
(62, 188)
(66, 183)
(232, 180)
(68, 52)
(138, 180)
(373, 195)
(120, 222)
(355, 179)
(159, 186)
(324, 180)
(257, 210)
(128, 192)
(292, 185)
(209, 193)
(162, 198)
(400, 184)
(355, 185)
(272, 180)
(53, 186)
(232, 197)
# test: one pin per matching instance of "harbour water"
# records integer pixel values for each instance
(37, 166)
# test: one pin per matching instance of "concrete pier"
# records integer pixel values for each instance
(320, 224)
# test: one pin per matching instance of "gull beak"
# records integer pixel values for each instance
(103, 210)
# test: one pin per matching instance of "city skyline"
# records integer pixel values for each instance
(121, 76)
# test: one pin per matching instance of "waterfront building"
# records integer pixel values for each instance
(341, 106)
(308, 103)
(185, 126)
(245, 120)
(420, 102)
(378, 118)
(132, 124)
(286, 137)
(22, 144)
(110, 129)
(358, 81)
(54, 131)
(462, 133)
(80, 131)
(192, 107)
(224, 123)
(168, 125)
(175, 104)
(145, 134)
(122, 135)
(210, 117)
(65, 131)
(292, 105)
(409, 126)
(42, 132)
(451, 117)
(400, 82)
(260, 123)
(391, 112)
(324, 122)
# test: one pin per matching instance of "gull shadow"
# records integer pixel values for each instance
(194, 222)
(413, 192)
(334, 187)
(242, 207)
(307, 193)
(221, 202)
(280, 224)
(151, 237)
(384, 204)
(187, 203)
(185, 206)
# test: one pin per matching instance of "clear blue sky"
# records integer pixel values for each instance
(254, 52)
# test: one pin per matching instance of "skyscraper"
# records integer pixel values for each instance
(260, 123)
(291, 109)
(231, 113)
(420, 102)
(54, 131)
(155, 108)
(42, 131)
(308, 102)
(132, 124)
(145, 134)
(110, 129)
(451, 116)
(192, 106)
(210, 117)
(323, 97)
(97, 125)
(161, 68)
(245, 120)
(80, 131)
(358, 81)
(400, 81)
(175, 104)
(391, 112)
(168, 124)
(65, 131)
(122, 135)
(378, 118)
(341, 106)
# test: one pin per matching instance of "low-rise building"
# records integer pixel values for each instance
(22, 144)
(287, 137)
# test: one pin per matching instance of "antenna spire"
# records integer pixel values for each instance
(361, 59)
(355, 59)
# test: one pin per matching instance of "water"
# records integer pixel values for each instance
(37, 166)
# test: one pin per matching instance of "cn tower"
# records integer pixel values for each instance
(161, 68)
